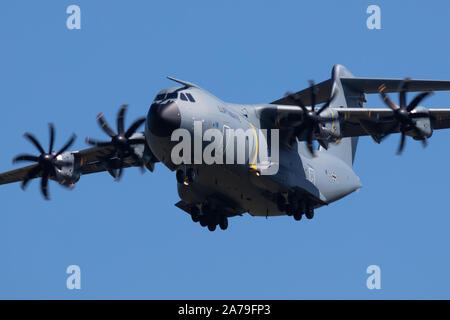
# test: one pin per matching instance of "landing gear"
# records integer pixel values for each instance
(208, 217)
(309, 213)
(298, 215)
(292, 206)
(185, 176)
(190, 175)
(282, 202)
(195, 214)
(203, 221)
(223, 222)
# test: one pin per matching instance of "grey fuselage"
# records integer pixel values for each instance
(321, 179)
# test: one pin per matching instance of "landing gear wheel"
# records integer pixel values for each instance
(211, 227)
(309, 213)
(223, 224)
(298, 216)
(190, 174)
(180, 176)
(195, 213)
(203, 221)
(281, 203)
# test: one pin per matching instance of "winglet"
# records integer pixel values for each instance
(185, 83)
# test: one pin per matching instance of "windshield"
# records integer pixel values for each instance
(172, 95)
(160, 96)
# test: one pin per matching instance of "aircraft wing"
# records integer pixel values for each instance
(364, 121)
(354, 122)
(86, 160)
(16, 175)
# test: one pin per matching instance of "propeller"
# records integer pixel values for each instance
(312, 120)
(46, 161)
(403, 114)
(121, 141)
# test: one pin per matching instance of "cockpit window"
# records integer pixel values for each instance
(190, 97)
(183, 97)
(172, 95)
(160, 96)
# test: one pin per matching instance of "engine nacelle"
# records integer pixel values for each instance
(423, 123)
(70, 174)
(330, 131)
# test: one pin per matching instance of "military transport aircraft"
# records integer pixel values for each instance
(307, 177)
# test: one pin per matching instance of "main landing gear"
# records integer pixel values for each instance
(295, 207)
(208, 217)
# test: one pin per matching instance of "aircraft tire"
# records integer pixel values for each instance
(309, 213)
(298, 216)
(223, 224)
(211, 227)
(203, 221)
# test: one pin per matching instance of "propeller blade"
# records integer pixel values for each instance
(388, 101)
(389, 131)
(402, 143)
(34, 141)
(138, 160)
(67, 145)
(327, 104)
(424, 142)
(309, 141)
(134, 127)
(26, 157)
(30, 175)
(105, 126)
(44, 186)
(121, 119)
(323, 143)
(417, 100)
(402, 99)
(313, 93)
(112, 172)
(52, 137)
(96, 143)
(403, 88)
(119, 174)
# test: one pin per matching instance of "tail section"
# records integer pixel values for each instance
(346, 97)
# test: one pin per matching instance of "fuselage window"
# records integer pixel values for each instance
(183, 97)
(190, 97)
(172, 95)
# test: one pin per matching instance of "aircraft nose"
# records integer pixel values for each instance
(163, 119)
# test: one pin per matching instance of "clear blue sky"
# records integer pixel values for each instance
(129, 239)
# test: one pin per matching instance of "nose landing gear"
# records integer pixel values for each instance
(185, 176)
